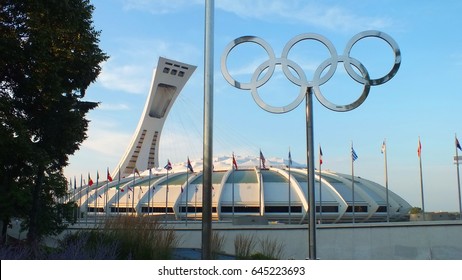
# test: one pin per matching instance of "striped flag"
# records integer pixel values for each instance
(354, 156)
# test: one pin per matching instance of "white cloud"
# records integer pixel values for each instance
(296, 11)
(159, 6)
(315, 13)
(113, 107)
(106, 140)
(130, 68)
(128, 78)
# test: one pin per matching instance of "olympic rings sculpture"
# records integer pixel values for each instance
(301, 80)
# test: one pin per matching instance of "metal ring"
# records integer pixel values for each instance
(372, 33)
(317, 80)
(342, 108)
(234, 43)
(276, 109)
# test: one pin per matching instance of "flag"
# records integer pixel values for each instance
(109, 178)
(458, 145)
(320, 155)
(190, 166)
(354, 156)
(90, 181)
(75, 183)
(419, 149)
(290, 158)
(130, 189)
(137, 172)
(168, 166)
(97, 176)
(234, 162)
(384, 147)
(262, 158)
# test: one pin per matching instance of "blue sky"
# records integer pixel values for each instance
(423, 99)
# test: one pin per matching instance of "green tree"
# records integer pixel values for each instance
(49, 55)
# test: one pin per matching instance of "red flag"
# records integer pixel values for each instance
(234, 162)
(419, 149)
(109, 178)
(90, 181)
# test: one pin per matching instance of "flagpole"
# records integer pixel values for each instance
(353, 181)
(149, 192)
(133, 192)
(458, 177)
(195, 203)
(166, 199)
(232, 193)
(419, 153)
(259, 185)
(384, 150)
(118, 194)
(80, 197)
(320, 191)
(96, 196)
(105, 193)
(86, 210)
(74, 199)
(105, 197)
(290, 206)
(186, 196)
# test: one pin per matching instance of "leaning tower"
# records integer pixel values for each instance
(142, 153)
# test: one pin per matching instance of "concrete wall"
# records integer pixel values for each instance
(393, 241)
(377, 241)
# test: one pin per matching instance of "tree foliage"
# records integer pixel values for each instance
(49, 55)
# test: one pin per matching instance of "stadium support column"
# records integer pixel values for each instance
(208, 133)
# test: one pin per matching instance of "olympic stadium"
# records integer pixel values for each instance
(273, 189)
(276, 192)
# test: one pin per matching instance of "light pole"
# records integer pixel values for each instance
(308, 88)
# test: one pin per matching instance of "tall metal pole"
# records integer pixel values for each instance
(419, 153)
(310, 170)
(208, 132)
(232, 193)
(166, 199)
(458, 178)
(290, 204)
(320, 191)
(353, 181)
(384, 149)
